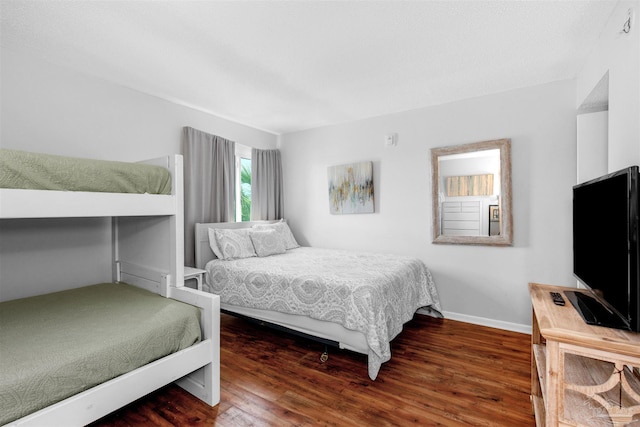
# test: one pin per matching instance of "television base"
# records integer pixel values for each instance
(593, 312)
(581, 375)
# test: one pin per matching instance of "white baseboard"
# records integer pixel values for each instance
(483, 321)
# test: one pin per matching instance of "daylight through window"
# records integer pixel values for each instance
(243, 183)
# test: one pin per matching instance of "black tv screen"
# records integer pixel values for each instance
(605, 248)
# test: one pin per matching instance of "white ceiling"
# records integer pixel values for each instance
(284, 66)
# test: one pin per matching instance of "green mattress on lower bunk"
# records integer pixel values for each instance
(36, 171)
(56, 345)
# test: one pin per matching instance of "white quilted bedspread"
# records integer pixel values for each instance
(371, 293)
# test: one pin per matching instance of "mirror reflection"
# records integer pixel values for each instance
(472, 193)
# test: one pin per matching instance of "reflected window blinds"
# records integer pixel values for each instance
(471, 185)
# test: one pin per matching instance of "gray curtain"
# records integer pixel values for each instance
(267, 200)
(209, 183)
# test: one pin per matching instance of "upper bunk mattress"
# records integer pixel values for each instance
(37, 171)
(56, 345)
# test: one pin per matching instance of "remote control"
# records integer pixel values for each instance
(557, 298)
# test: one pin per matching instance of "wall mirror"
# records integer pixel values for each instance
(471, 188)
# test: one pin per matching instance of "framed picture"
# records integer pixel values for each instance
(494, 213)
(494, 220)
(351, 188)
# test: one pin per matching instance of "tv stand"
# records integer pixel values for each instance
(593, 312)
(581, 374)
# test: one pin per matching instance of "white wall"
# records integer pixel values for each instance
(50, 109)
(592, 137)
(47, 255)
(485, 285)
(619, 55)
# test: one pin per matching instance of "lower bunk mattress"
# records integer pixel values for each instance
(56, 345)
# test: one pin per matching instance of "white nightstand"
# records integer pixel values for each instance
(194, 273)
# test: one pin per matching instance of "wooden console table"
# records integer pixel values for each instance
(581, 375)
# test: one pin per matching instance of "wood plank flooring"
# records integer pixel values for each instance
(442, 373)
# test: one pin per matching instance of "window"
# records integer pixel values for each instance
(243, 183)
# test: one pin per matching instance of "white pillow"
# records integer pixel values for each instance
(213, 243)
(234, 243)
(267, 242)
(282, 228)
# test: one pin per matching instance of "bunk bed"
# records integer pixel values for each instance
(147, 254)
(352, 300)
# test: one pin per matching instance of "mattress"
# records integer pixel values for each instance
(374, 294)
(36, 171)
(56, 345)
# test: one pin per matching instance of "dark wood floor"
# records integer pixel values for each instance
(442, 373)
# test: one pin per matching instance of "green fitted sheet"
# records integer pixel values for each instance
(56, 345)
(36, 171)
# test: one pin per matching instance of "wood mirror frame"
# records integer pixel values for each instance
(505, 238)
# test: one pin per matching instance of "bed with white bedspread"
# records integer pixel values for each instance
(369, 296)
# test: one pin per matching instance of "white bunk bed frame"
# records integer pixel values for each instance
(147, 241)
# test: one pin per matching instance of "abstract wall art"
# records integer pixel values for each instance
(351, 188)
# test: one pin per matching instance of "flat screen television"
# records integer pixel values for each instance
(605, 250)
